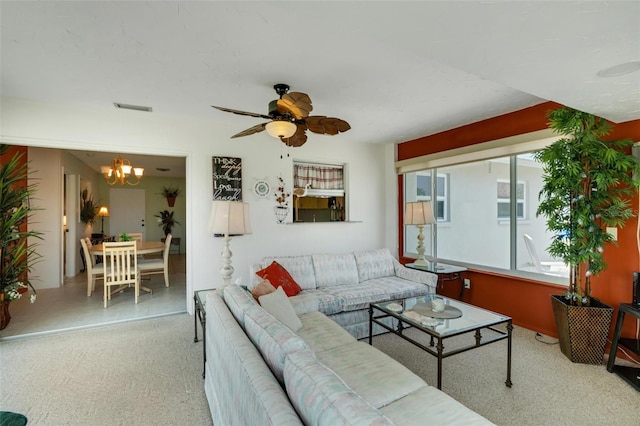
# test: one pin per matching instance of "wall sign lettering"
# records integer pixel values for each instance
(227, 178)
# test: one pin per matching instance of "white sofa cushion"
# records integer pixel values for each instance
(238, 300)
(321, 398)
(277, 304)
(322, 333)
(374, 264)
(273, 339)
(376, 377)
(299, 267)
(240, 388)
(335, 269)
(428, 403)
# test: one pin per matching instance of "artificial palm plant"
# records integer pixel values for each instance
(588, 185)
(17, 254)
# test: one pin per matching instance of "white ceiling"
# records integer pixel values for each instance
(394, 70)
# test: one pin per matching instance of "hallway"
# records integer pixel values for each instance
(68, 308)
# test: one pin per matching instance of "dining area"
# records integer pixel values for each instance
(122, 265)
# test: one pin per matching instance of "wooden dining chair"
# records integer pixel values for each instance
(120, 268)
(157, 265)
(93, 273)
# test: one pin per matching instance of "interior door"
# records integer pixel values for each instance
(126, 210)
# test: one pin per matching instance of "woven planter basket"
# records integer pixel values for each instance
(582, 330)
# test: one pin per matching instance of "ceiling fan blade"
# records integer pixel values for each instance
(295, 103)
(235, 111)
(326, 125)
(297, 139)
(250, 131)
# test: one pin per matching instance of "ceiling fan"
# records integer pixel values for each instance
(290, 118)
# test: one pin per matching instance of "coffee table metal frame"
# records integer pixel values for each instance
(379, 311)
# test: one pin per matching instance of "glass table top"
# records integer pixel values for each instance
(472, 317)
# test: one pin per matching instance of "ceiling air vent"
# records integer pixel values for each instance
(133, 107)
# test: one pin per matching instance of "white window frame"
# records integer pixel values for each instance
(507, 201)
(439, 198)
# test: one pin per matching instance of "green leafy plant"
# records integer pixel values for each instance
(166, 221)
(88, 208)
(587, 185)
(170, 191)
(17, 255)
(124, 237)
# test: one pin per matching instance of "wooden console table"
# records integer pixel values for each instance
(630, 374)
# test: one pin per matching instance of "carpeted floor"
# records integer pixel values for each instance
(548, 389)
(149, 373)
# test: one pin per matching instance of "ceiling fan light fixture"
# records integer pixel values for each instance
(281, 129)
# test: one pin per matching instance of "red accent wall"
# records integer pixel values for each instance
(528, 301)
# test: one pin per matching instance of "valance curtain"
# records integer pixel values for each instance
(320, 177)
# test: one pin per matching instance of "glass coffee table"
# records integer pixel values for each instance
(458, 318)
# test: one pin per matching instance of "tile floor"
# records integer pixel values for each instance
(68, 308)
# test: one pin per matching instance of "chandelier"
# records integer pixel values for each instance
(120, 172)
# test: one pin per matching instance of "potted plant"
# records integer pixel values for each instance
(587, 186)
(282, 201)
(88, 208)
(166, 221)
(170, 193)
(17, 255)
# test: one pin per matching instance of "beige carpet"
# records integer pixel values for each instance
(149, 373)
(548, 389)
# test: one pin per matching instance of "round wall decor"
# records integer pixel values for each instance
(262, 188)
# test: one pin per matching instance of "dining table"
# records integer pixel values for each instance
(142, 247)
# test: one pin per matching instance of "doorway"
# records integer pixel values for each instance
(127, 211)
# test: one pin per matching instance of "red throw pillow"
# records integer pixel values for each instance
(279, 277)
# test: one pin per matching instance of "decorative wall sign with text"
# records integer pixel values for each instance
(227, 178)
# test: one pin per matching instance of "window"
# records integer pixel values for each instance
(504, 199)
(469, 198)
(423, 193)
(318, 192)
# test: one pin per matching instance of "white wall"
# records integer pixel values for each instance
(71, 127)
(44, 169)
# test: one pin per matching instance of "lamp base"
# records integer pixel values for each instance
(421, 262)
(227, 269)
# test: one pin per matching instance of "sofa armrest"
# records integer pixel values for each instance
(427, 278)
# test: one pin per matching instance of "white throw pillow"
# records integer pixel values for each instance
(278, 305)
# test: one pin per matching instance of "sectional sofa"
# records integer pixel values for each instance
(341, 286)
(304, 368)
(261, 372)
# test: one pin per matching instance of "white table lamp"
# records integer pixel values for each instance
(419, 213)
(229, 218)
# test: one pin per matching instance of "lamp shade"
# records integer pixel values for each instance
(229, 218)
(418, 213)
(281, 129)
(104, 211)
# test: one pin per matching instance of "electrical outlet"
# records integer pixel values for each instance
(467, 283)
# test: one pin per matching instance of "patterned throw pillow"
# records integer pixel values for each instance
(264, 287)
(279, 277)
